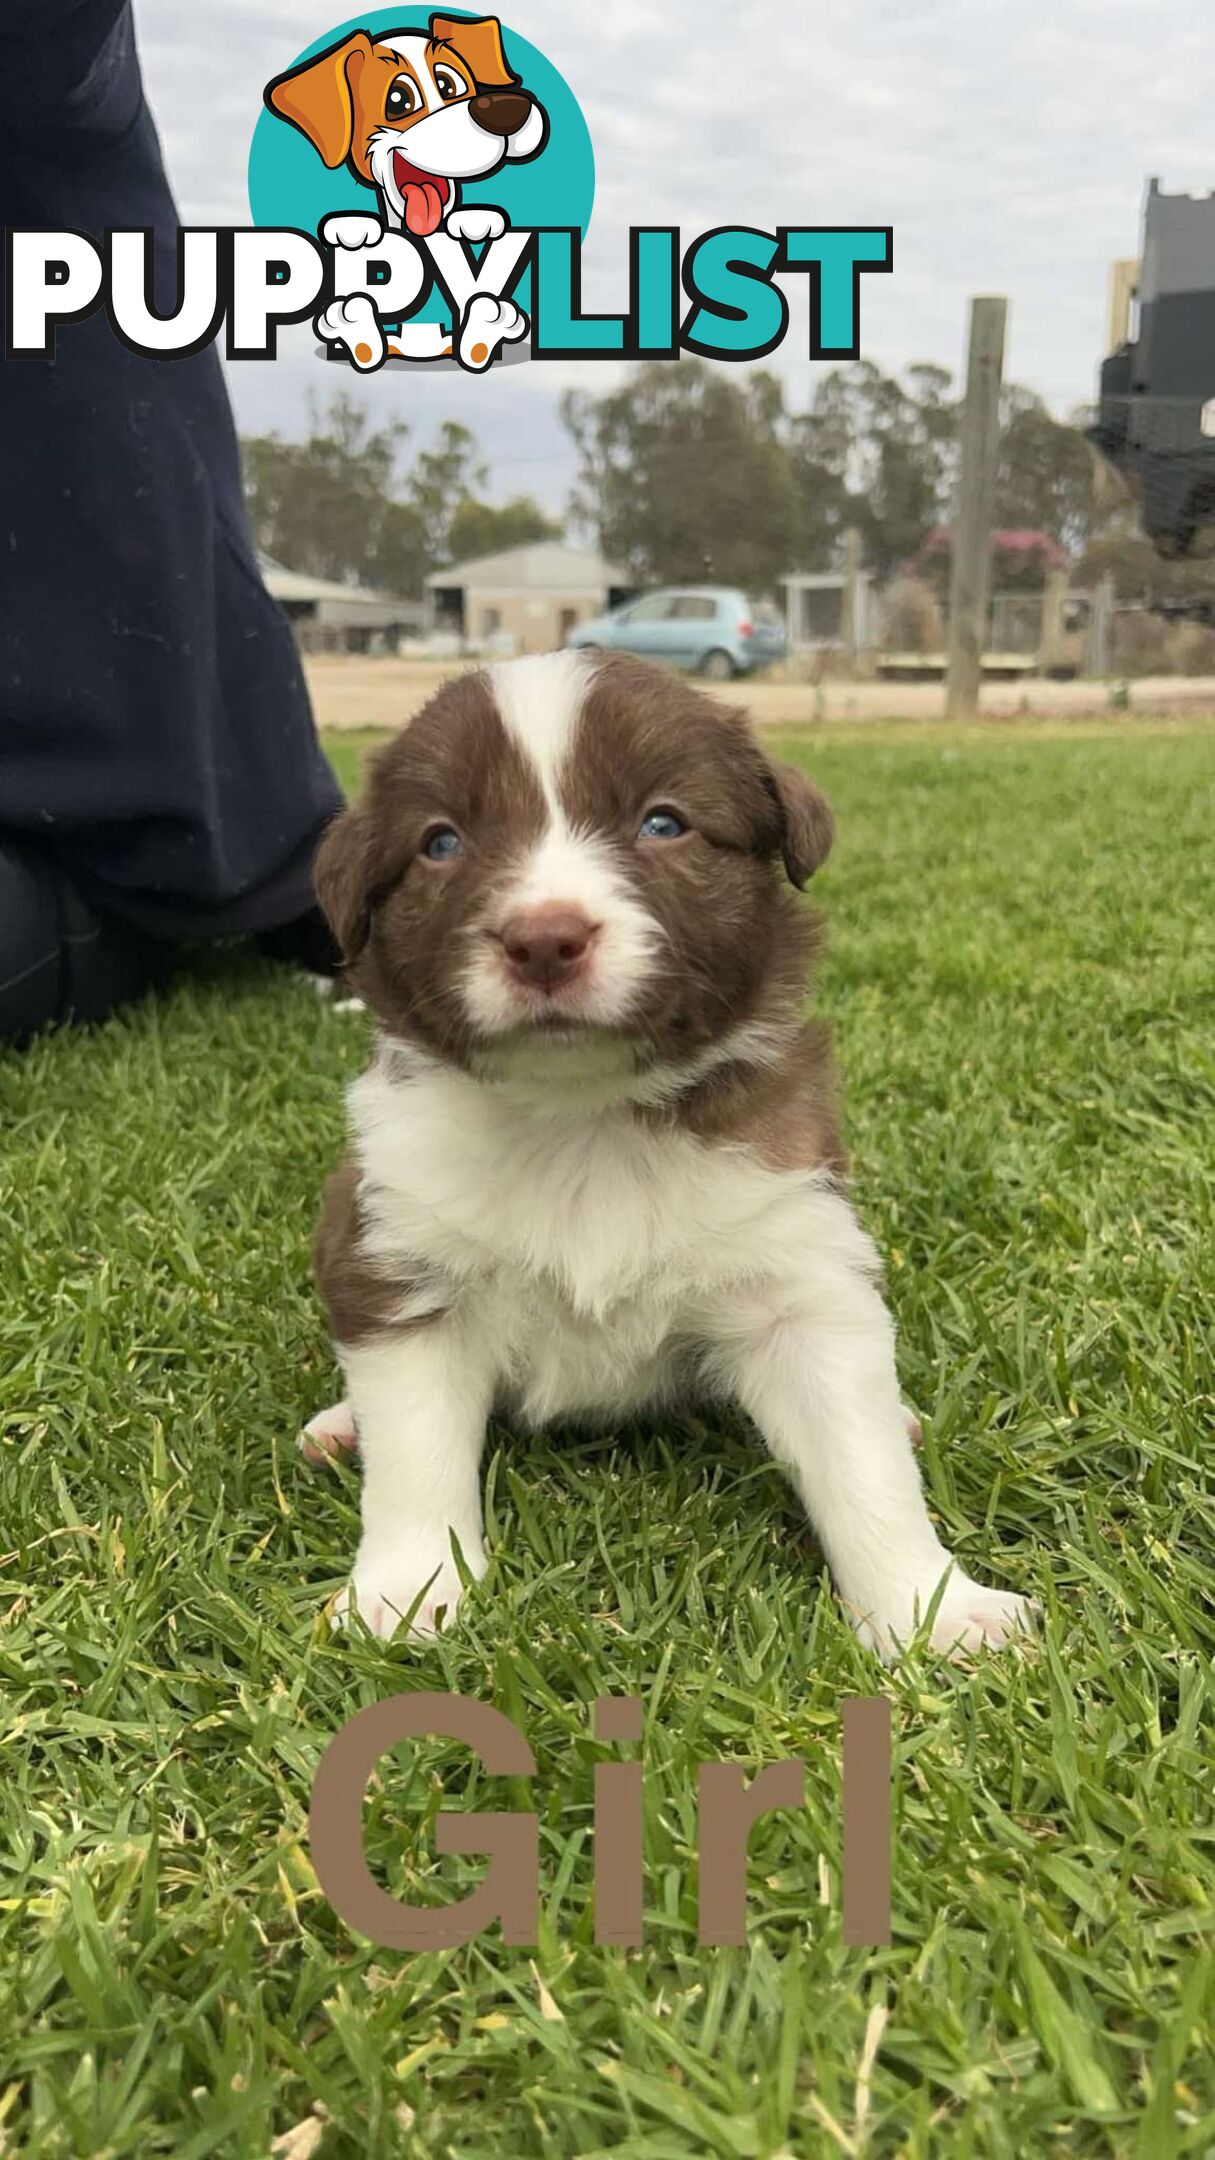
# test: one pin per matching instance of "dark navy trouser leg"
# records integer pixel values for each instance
(157, 749)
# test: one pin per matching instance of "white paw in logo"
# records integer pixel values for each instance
(476, 222)
(353, 324)
(489, 324)
(351, 229)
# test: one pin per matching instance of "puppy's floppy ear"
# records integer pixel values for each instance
(344, 877)
(807, 827)
(318, 97)
(478, 40)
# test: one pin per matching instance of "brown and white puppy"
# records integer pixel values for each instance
(412, 113)
(595, 1164)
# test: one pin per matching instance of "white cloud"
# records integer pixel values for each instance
(1007, 141)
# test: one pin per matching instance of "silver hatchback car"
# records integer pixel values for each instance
(714, 629)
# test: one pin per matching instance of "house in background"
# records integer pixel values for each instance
(328, 617)
(523, 599)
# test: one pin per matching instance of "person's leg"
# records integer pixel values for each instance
(59, 959)
(155, 730)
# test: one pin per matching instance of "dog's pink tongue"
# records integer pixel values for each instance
(423, 207)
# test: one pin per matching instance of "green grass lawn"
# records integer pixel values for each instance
(1022, 978)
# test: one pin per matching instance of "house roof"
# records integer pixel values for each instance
(296, 585)
(540, 566)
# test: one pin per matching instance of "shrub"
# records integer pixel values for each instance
(913, 621)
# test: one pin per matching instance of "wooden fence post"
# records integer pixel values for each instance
(1100, 628)
(1050, 640)
(970, 571)
(850, 625)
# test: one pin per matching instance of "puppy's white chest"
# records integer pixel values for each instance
(555, 1361)
(583, 1248)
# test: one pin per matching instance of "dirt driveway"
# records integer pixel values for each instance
(352, 692)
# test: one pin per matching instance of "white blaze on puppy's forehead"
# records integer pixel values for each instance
(412, 49)
(419, 51)
(540, 699)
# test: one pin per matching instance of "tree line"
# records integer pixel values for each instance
(699, 474)
(341, 505)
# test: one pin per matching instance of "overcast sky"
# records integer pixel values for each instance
(1006, 141)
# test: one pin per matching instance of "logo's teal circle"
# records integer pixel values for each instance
(288, 184)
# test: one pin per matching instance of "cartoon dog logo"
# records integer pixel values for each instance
(412, 113)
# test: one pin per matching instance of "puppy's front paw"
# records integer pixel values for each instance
(388, 1581)
(329, 1435)
(969, 1617)
(972, 1615)
(489, 324)
(475, 222)
(353, 324)
(351, 229)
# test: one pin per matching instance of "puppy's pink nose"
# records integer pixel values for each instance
(547, 946)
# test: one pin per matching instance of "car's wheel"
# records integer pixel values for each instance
(717, 666)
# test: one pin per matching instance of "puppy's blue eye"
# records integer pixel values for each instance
(661, 825)
(441, 844)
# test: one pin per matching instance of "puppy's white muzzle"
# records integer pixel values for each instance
(448, 144)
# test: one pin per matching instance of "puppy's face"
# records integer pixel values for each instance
(412, 112)
(569, 850)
